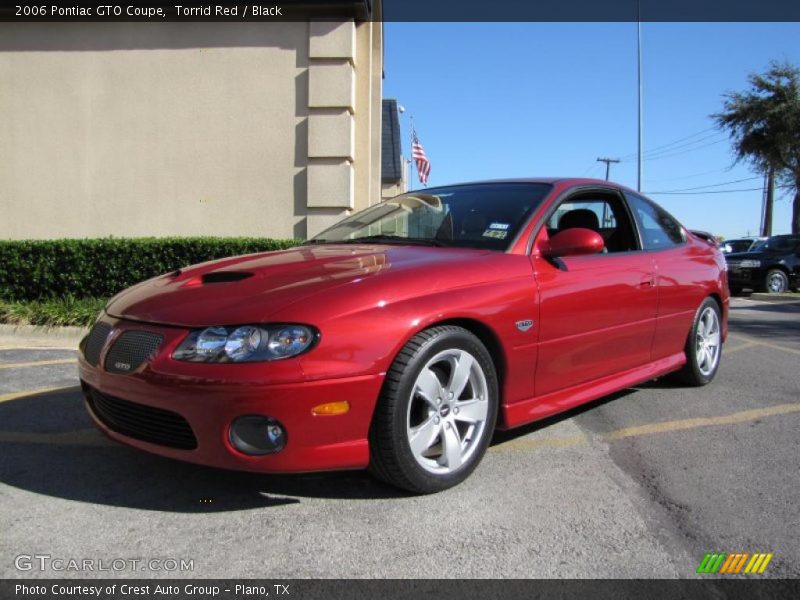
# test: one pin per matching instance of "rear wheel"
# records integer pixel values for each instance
(776, 281)
(436, 413)
(704, 346)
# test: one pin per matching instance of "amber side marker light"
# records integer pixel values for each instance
(331, 408)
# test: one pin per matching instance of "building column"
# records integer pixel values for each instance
(331, 123)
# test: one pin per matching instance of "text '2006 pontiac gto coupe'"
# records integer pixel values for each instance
(400, 338)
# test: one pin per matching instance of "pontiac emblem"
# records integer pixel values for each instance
(524, 325)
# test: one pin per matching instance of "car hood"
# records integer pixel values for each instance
(734, 256)
(248, 289)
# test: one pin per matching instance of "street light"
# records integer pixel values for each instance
(639, 77)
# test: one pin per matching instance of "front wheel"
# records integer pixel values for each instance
(436, 413)
(704, 346)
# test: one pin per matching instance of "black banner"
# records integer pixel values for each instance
(406, 589)
(405, 10)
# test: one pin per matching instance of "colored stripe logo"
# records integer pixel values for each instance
(734, 563)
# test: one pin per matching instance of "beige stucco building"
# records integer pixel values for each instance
(223, 129)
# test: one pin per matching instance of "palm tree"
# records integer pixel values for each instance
(764, 125)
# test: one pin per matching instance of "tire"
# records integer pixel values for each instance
(428, 435)
(776, 281)
(703, 346)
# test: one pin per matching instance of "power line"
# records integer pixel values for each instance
(633, 155)
(656, 152)
(692, 176)
(711, 192)
(681, 152)
(711, 185)
(653, 153)
(758, 189)
(591, 168)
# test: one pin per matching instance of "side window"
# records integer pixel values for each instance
(657, 227)
(600, 212)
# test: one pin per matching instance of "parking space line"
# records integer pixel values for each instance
(744, 416)
(38, 392)
(777, 347)
(755, 342)
(734, 418)
(38, 363)
(727, 351)
(80, 437)
(5, 347)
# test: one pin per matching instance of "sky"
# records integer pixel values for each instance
(496, 100)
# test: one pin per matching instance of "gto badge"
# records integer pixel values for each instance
(525, 325)
(122, 366)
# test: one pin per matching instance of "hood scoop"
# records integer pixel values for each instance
(225, 276)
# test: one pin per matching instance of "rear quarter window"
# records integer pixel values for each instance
(657, 227)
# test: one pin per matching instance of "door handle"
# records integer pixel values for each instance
(648, 282)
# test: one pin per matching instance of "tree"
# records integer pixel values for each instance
(764, 125)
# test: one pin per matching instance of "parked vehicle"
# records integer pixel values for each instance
(744, 244)
(403, 336)
(771, 266)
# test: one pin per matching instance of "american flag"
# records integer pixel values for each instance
(420, 158)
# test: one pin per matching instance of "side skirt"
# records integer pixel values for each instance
(541, 407)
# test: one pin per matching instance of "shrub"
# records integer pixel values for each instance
(54, 312)
(99, 268)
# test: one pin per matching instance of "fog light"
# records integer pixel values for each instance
(257, 435)
(331, 408)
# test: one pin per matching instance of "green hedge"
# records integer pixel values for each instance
(54, 312)
(99, 268)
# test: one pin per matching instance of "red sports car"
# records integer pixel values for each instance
(400, 338)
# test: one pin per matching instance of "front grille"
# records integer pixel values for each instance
(141, 422)
(95, 342)
(130, 350)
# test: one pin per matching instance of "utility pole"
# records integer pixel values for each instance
(766, 229)
(608, 162)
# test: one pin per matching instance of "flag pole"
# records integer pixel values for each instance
(411, 155)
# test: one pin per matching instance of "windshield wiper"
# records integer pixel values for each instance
(392, 239)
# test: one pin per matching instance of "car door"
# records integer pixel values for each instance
(597, 312)
(680, 268)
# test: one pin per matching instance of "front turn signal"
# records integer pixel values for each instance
(331, 408)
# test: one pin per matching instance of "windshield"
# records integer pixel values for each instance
(778, 243)
(483, 215)
(737, 246)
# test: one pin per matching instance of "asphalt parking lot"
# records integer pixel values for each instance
(641, 484)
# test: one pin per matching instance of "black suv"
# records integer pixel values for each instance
(770, 266)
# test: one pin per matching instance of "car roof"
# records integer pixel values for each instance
(545, 180)
(533, 180)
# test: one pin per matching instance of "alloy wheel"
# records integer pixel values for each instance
(447, 412)
(708, 341)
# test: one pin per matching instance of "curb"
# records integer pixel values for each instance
(765, 297)
(37, 336)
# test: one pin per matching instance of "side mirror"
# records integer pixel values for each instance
(575, 242)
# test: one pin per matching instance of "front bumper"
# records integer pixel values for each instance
(210, 396)
(745, 277)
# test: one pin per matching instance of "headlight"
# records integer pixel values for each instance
(246, 343)
(750, 264)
